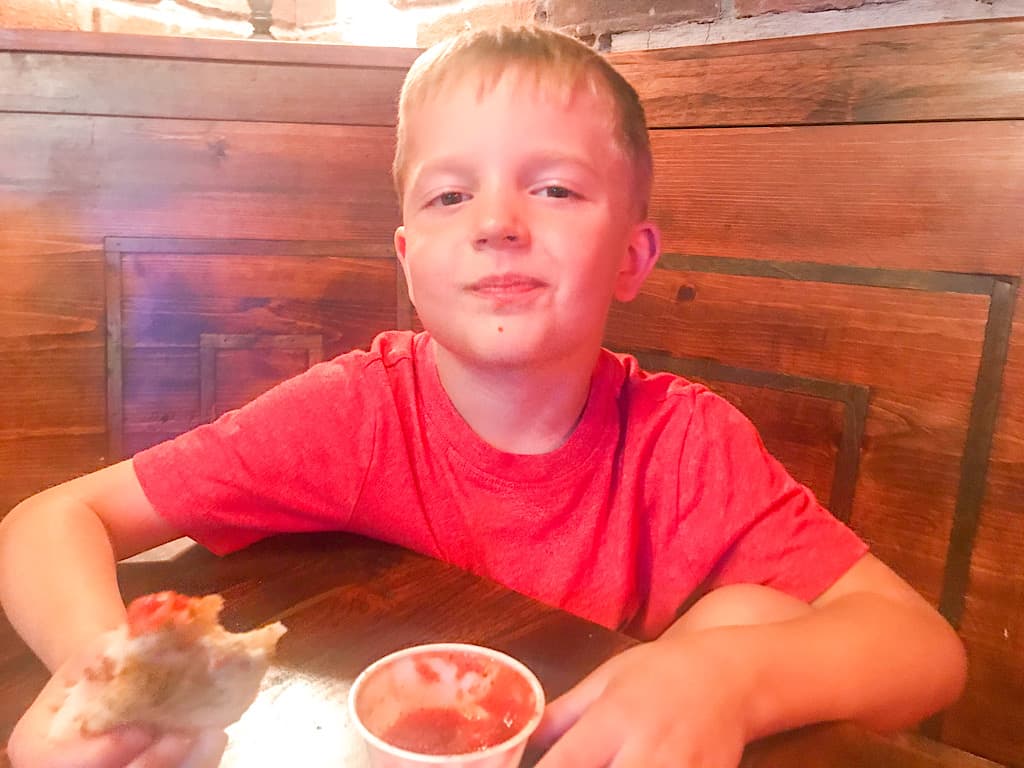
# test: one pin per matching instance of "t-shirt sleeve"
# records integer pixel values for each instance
(748, 520)
(292, 460)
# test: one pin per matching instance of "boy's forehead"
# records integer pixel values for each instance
(531, 82)
(534, 97)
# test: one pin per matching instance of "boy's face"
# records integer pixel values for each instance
(518, 222)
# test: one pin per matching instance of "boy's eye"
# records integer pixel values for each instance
(449, 198)
(554, 190)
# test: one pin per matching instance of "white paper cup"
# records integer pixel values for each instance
(446, 705)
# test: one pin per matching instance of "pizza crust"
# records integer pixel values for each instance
(187, 674)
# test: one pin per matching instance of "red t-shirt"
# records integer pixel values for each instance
(663, 487)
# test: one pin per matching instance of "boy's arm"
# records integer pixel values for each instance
(746, 662)
(869, 649)
(58, 587)
(58, 583)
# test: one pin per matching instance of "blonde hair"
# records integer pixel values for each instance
(553, 59)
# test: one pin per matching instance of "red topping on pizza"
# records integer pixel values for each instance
(151, 613)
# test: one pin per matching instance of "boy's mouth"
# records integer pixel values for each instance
(509, 284)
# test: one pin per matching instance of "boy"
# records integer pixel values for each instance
(505, 437)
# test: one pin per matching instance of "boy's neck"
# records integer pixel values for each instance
(524, 412)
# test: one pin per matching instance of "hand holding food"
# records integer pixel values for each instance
(172, 666)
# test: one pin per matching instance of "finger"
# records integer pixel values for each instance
(90, 752)
(629, 758)
(207, 751)
(116, 747)
(31, 745)
(592, 742)
(561, 713)
(168, 751)
(663, 756)
(655, 756)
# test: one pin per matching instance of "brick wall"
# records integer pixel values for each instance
(642, 24)
(606, 24)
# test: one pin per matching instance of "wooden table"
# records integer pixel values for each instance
(347, 601)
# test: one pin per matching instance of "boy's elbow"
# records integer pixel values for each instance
(14, 528)
(940, 679)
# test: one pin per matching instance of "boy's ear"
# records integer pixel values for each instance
(400, 245)
(641, 256)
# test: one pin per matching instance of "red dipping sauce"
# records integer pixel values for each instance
(446, 732)
(469, 724)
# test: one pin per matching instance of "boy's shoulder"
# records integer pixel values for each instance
(646, 384)
(394, 347)
(669, 400)
(355, 375)
(387, 350)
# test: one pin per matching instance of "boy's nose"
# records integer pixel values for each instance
(502, 227)
(498, 236)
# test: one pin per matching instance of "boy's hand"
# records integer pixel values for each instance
(128, 747)
(672, 702)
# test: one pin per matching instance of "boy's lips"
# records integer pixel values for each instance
(509, 284)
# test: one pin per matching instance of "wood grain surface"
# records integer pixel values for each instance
(136, 75)
(75, 181)
(347, 601)
(938, 196)
(204, 49)
(958, 71)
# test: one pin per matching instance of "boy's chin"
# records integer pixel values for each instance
(501, 348)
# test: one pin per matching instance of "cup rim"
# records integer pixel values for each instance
(521, 735)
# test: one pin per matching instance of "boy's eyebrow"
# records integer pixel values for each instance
(454, 166)
(457, 166)
(546, 159)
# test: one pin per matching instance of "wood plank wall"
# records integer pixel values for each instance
(183, 223)
(845, 211)
(170, 141)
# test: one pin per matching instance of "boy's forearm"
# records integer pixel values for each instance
(862, 657)
(58, 580)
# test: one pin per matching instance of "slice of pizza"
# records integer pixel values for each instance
(171, 666)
